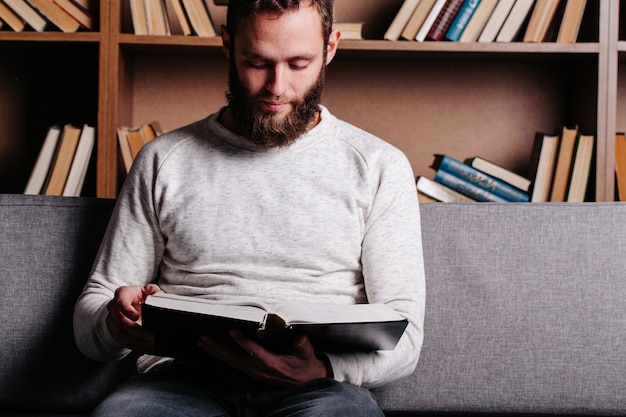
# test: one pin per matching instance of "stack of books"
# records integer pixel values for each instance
(173, 17)
(46, 15)
(475, 179)
(488, 20)
(560, 170)
(62, 163)
(132, 139)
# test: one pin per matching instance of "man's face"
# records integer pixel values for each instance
(277, 75)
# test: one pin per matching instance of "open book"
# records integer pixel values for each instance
(178, 322)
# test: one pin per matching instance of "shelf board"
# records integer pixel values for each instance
(177, 40)
(470, 47)
(383, 48)
(49, 36)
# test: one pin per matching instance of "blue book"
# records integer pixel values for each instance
(480, 179)
(461, 20)
(466, 188)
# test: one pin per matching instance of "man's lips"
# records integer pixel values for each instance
(274, 105)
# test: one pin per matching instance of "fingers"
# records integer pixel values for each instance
(151, 289)
(298, 365)
(124, 318)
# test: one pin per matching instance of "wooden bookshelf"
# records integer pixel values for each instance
(430, 97)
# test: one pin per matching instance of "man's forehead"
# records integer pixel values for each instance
(293, 35)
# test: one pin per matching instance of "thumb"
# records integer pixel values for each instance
(151, 289)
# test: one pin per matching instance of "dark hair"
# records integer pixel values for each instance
(242, 9)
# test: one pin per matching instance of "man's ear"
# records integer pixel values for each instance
(225, 41)
(333, 44)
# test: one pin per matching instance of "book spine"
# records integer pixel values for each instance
(482, 180)
(444, 19)
(461, 20)
(466, 188)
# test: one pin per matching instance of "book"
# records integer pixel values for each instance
(78, 11)
(466, 188)
(11, 18)
(63, 162)
(56, 15)
(422, 33)
(620, 165)
(563, 163)
(199, 18)
(28, 14)
(478, 21)
(350, 30)
(479, 179)
(178, 22)
(139, 17)
(178, 322)
(400, 20)
(513, 25)
(80, 163)
(127, 156)
(461, 20)
(542, 164)
(132, 139)
(571, 20)
(156, 18)
(43, 163)
(496, 20)
(499, 172)
(444, 20)
(440, 192)
(581, 168)
(540, 19)
(135, 139)
(424, 199)
(417, 19)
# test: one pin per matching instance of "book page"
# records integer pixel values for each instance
(252, 311)
(302, 313)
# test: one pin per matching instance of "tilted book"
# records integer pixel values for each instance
(480, 179)
(179, 321)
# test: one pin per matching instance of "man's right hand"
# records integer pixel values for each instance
(124, 317)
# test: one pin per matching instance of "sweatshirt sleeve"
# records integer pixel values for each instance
(129, 255)
(393, 273)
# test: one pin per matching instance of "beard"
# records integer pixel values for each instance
(268, 129)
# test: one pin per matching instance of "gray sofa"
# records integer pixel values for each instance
(526, 310)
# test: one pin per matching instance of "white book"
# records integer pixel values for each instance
(78, 170)
(499, 172)
(401, 19)
(430, 20)
(499, 15)
(440, 192)
(44, 161)
(514, 21)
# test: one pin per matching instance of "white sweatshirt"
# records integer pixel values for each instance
(332, 218)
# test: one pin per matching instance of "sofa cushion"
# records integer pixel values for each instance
(48, 245)
(525, 311)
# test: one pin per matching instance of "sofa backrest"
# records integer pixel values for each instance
(48, 246)
(525, 311)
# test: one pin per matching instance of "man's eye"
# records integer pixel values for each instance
(297, 67)
(257, 65)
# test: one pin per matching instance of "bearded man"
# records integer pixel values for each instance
(270, 198)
